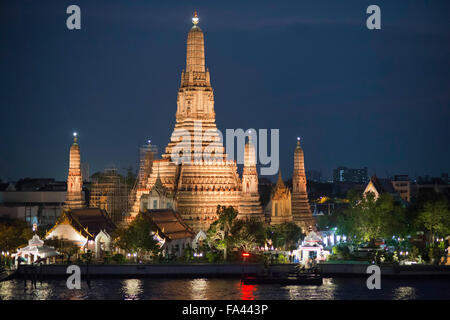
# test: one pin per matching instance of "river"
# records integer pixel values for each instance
(224, 289)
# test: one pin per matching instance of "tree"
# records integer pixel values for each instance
(247, 234)
(434, 218)
(14, 233)
(65, 247)
(137, 237)
(285, 235)
(219, 233)
(368, 219)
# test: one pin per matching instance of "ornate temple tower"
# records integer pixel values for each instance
(201, 178)
(279, 208)
(301, 210)
(74, 198)
(250, 206)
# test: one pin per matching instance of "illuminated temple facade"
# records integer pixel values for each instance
(204, 178)
(74, 198)
(301, 210)
(286, 206)
(279, 208)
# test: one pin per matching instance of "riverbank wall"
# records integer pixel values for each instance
(227, 270)
(388, 270)
(143, 270)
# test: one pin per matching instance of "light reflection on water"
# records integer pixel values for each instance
(404, 293)
(132, 288)
(247, 291)
(198, 289)
(224, 289)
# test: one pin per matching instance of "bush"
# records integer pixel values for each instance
(118, 258)
(342, 251)
(212, 256)
(282, 259)
(188, 254)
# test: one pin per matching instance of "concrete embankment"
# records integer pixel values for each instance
(227, 270)
(388, 270)
(144, 270)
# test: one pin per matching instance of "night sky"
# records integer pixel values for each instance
(311, 68)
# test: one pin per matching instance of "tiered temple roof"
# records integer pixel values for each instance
(88, 222)
(169, 224)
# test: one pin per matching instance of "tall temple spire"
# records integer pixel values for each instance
(250, 205)
(195, 51)
(74, 198)
(195, 101)
(249, 175)
(201, 183)
(301, 210)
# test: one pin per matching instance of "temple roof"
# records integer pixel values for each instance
(87, 221)
(280, 183)
(169, 224)
(280, 191)
(383, 185)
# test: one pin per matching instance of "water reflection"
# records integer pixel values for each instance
(7, 290)
(325, 291)
(404, 293)
(247, 291)
(43, 291)
(198, 289)
(132, 288)
(223, 289)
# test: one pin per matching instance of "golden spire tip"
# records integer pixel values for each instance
(195, 18)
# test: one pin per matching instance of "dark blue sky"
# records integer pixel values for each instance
(379, 99)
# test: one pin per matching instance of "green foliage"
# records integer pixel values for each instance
(14, 234)
(107, 257)
(188, 254)
(435, 219)
(118, 258)
(436, 252)
(285, 235)
(342, 251)
(87, 257)
(213, 256)
(414, 254)
(247, 234)
(368, 219)
(282, 259)
(219, 233)
(228, 232)
(137, 237)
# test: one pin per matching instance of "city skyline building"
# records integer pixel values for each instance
(344, 174)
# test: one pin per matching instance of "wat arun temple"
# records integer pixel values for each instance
(198, 184)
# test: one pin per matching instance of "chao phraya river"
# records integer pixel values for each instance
(220, 289)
